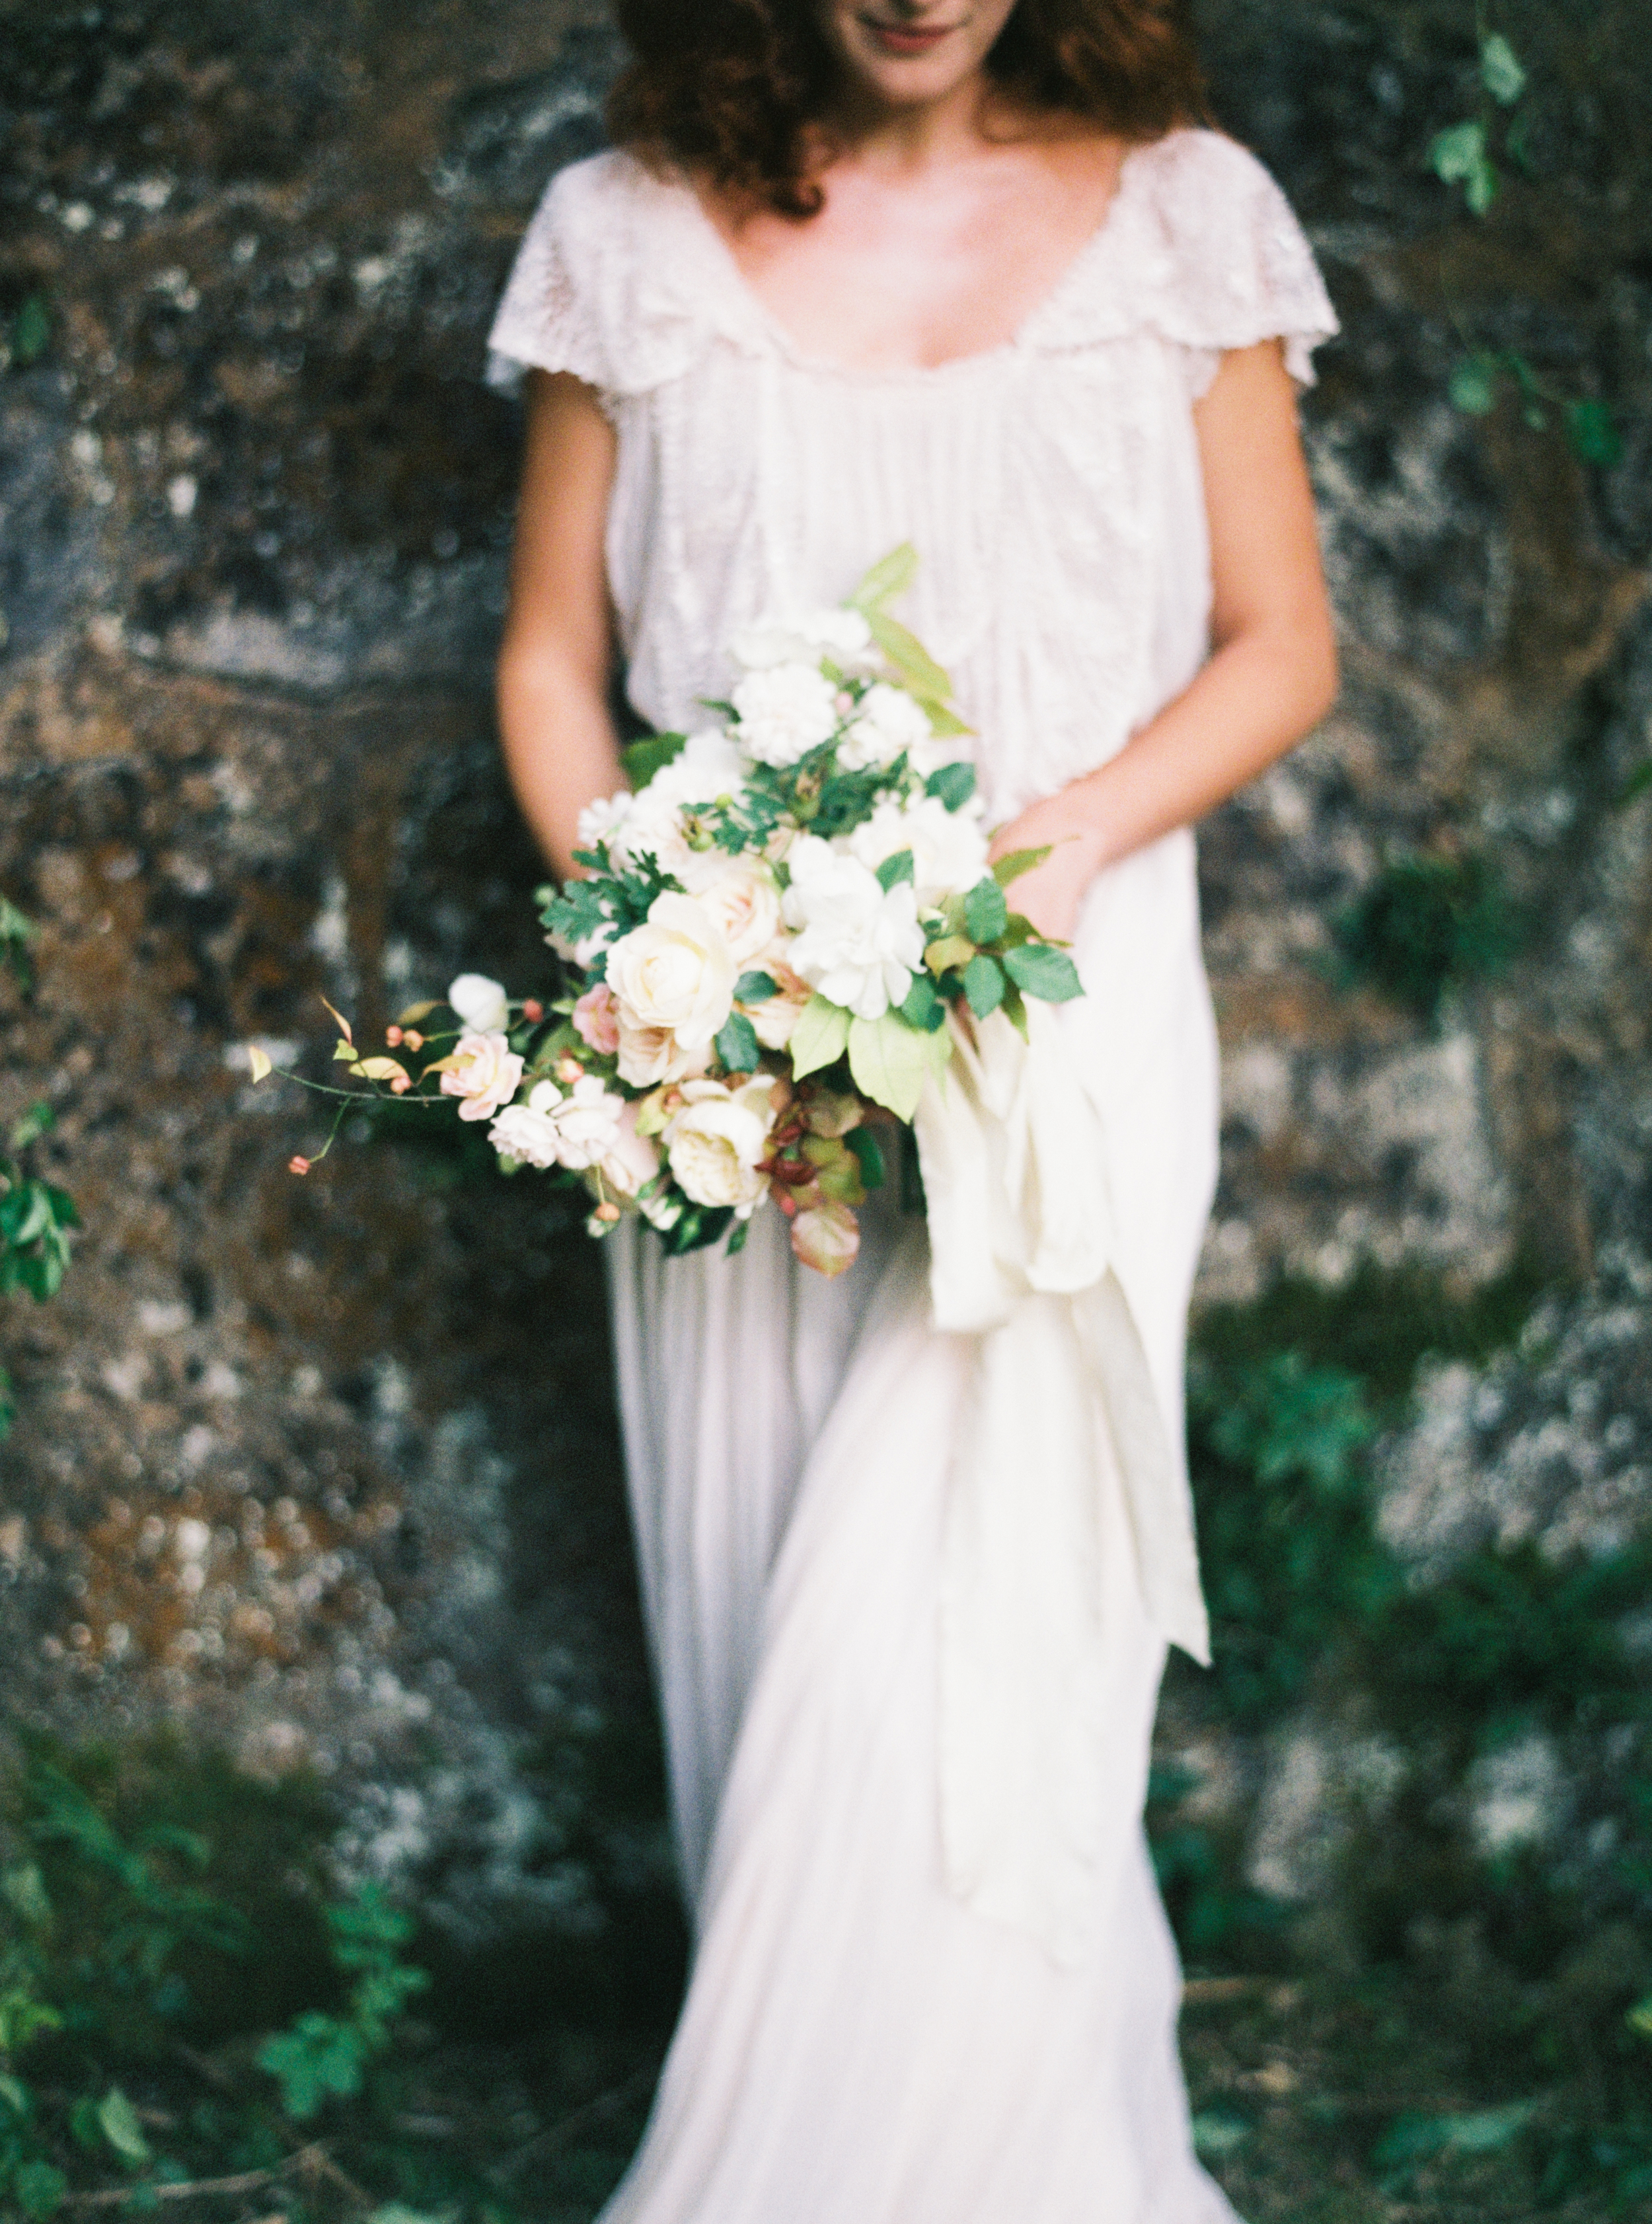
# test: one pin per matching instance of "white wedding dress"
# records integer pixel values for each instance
(862, 2044)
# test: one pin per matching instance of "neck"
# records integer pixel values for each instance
(915, 135)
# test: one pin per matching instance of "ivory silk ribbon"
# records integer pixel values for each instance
(1069, 1541)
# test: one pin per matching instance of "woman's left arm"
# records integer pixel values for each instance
(1271, 674)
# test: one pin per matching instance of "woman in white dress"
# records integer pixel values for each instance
(960, 273)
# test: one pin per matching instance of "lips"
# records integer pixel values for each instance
(907, 39)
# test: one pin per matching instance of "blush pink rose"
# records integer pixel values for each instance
(485, 1071)
(597, 1019)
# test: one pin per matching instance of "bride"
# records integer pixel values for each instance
(965, 273)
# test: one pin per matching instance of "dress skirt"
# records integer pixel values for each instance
(857, 2046)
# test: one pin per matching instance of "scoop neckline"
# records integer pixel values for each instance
(759, 314)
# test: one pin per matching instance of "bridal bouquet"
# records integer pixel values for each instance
(770, 932)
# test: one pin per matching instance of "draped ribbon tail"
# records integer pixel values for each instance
(1068, 1538)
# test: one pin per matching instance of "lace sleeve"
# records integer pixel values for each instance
(1235, 267)
(546, 319)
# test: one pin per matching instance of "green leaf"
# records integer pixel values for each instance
(890, 1062)
(1633, 789)
(820, 1037)
(868, 1150)
(1592, 431)
(1459, 156)
(31, 331)
(953, 784)
(1474, 386)
(15, 2094)
(923, 1008)
(896, 869)
(1501, 72)
(644, 758)
(737, 1045)
(984, 985)
(908, 656)
(38, 1120)
(1042, 972)
(117, 2121)
(986, 912)
(755, 988)
(944, 722)
(38, 2189)
(890, 575)
(1016, 862)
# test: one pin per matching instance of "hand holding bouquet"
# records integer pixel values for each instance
(769, 935)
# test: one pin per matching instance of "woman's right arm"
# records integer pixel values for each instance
(557, 656)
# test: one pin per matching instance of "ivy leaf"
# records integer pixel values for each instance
(1042, 972)
(896, 869)
(118, 2121)
(38, 1120)
(737, 1044)
(643, 759)
(952, 784)
(891, 576)
(983, 984)
(1592, 431)
(1501, 72)
(820, 1037)
(1474, 386)
(986, 912)
(1459, 156)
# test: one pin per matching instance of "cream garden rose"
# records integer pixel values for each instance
(675, 971)
(744, 902)
(716, 1141)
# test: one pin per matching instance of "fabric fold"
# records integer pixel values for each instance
(1062, 1460)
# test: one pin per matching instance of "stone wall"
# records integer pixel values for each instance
(327, 1469)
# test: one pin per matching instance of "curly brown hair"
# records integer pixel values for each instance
(730, 88)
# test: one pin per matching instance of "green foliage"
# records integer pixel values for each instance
(111, 1910)
(1287, 1400)
(323, 2057)
(1426, 924)
(1291, 1562)
(25, 337)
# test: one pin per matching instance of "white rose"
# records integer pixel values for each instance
(744, 903)
(602, 819)
(675, 971)
(707, 765)
(858, 945)
(585, 1118)
(887, 722)
(480, 1002)
(525, 1135)
(842, 634)
(783, 713)
(949, 847)
(484, 1071)
(718, 1139)
(650, 1055)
